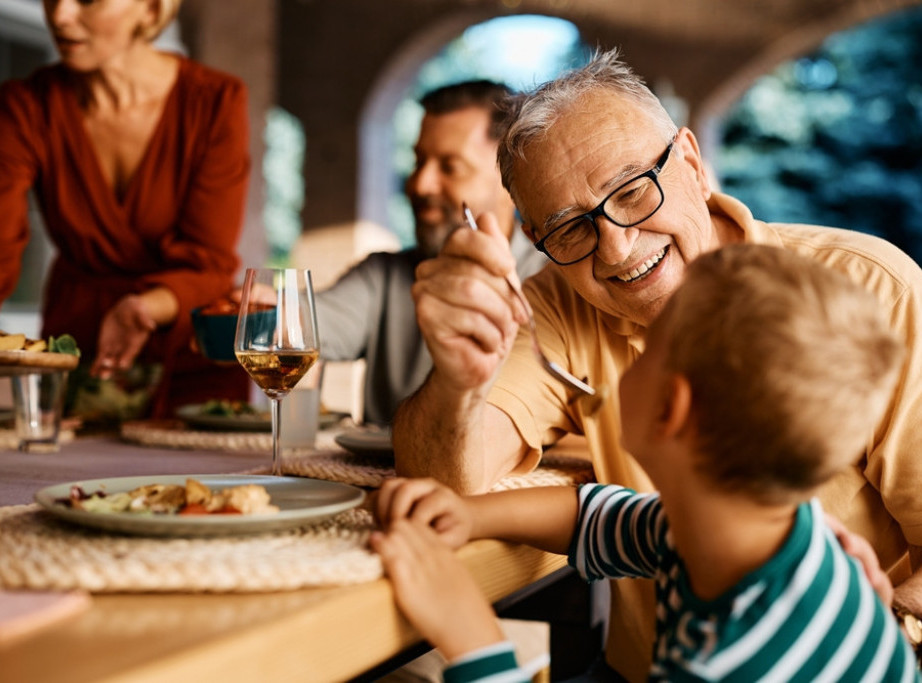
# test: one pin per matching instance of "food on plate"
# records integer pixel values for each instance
(20, 342)
(225, 408)
(195, 498)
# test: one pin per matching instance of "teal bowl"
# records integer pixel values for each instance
(214, 333)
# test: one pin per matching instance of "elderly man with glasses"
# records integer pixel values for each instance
(621, 218)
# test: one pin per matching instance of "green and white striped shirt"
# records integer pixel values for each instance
(808, 614)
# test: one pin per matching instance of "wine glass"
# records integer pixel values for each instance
(276, 340)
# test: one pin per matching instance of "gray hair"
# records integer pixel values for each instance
(532, 114)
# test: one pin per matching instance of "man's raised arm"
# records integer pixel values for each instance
(469, 318)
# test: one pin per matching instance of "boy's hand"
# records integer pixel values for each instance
(430, 584)
(426, 502)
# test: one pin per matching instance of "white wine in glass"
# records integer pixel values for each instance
(276, 340)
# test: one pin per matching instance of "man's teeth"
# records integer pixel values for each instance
(643, 268)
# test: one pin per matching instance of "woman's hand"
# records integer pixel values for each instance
(124, 331)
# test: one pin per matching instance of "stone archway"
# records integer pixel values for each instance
(393, 81)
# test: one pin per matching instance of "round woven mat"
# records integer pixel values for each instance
(42, 553)
(328, 461)
(174, 434)
(371, 471)
(9, 440)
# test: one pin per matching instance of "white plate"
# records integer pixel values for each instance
(367, 441)
(301, 501)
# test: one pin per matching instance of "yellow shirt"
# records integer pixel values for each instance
(878, 497)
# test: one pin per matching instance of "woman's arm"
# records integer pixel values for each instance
(18, 164)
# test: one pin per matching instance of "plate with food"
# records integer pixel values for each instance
(198, 504)
(373, 441)
(21, 355)
(228, 416)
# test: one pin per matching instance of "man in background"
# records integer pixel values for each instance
(369, 312)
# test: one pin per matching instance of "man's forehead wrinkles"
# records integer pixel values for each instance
(625, 173)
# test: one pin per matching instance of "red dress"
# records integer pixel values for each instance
(177, 225)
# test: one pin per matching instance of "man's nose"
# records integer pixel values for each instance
(615, 243)
(424, 180)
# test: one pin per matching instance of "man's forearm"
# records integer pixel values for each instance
(438, 433)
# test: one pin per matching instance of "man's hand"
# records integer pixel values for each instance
(426, 502)
(468, 317)
(858, 547)
(465, 309)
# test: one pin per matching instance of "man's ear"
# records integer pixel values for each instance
(529, 233)
(676, 406)
(688, 144)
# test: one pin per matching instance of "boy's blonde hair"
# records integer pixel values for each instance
(790, 363)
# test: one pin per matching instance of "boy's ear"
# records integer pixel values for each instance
(676, 406)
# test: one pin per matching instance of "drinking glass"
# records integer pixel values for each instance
(276, 340)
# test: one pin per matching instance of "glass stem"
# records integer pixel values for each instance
(276, 449)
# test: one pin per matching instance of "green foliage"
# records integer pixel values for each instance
(835, 138)
(282, 163)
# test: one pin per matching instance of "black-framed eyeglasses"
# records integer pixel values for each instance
(627, 205)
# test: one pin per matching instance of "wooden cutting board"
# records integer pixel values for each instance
(26, 362)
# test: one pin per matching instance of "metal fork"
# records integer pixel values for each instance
(553, 368)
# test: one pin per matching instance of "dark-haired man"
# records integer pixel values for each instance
(369, 312)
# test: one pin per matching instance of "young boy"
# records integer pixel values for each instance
(764, 374)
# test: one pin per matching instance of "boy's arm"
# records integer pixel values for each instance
(541, 517)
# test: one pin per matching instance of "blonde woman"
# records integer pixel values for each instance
(139, 162)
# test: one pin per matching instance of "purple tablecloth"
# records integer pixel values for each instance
(22, 474)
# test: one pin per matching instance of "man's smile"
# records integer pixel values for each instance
(644, 268)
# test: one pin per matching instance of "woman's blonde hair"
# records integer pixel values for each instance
(166, 12)
(791, 366)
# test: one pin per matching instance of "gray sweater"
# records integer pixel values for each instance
(369, 314)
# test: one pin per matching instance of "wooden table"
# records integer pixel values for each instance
(319, 634)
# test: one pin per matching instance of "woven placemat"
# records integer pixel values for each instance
(328, 461)
(9, 440)
(371, 471)
(175, 434)
(39, 552)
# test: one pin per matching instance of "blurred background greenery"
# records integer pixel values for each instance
(835, 138)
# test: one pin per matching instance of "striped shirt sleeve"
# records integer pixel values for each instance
(490, 664)
(619, 533)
